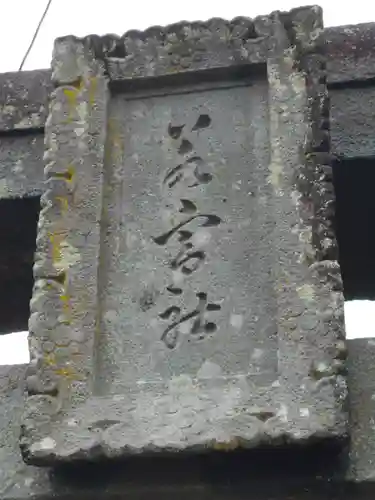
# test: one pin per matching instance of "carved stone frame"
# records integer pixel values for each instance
(307, 401)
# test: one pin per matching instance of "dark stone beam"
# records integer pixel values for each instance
(18, 221)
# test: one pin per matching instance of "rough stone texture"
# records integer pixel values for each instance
(351, 68)
(350, 53)
(23, 109)
(23, 112)
(361, 375)
(272, 479)
(307, 473)
(352, 125)
(183, 48)
(351, 74)
(70, 414)
(23, 100)
(16, 479)
(193, 476)
(219, 245)
(21, 165)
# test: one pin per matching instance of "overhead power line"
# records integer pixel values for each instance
(35, 34)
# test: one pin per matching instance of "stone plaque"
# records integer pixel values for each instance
(187, 293)
(187, 261)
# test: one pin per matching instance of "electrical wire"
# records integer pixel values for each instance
(35, 34)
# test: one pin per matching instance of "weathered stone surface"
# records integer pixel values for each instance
(352, 122)
(350, 53)
(21, 165)
(183, 48)
(16, 479)
(23, 111)
(304, 473)
(165, 220)
(23, 100)
(24, 103)
(198, 246)
(361, 379)
(20, 481)
(351, 68)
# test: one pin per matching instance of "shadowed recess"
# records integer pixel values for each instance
(354, 181)
(18, 226)
(247, 470)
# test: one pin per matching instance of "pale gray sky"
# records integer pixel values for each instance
(82, 17)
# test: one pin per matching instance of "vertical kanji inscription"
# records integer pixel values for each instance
(188, 174)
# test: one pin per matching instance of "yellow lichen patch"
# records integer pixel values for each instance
(63, 203)
(64, 255)
(56, 240)
(68, 175)
(71, 93)
(67, 372)
(50, 285)
(50, 359)
(59, 259)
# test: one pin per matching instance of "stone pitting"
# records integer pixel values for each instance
(307, 402)
(195, 46)
(24, 100)
(111, 45)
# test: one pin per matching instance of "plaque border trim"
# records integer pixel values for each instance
(308, 400)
